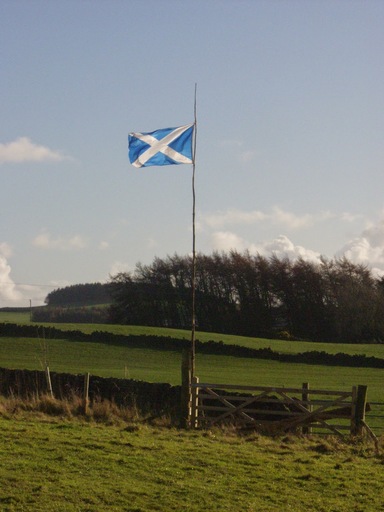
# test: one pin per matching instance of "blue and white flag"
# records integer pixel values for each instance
(167, 146)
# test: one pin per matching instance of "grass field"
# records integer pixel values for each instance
(119, 361)
(368, 349)
(164, 366)
(59, 465)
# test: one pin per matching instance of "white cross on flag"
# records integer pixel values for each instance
(167, 146)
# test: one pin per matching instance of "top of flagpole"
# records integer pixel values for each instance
(195, 124)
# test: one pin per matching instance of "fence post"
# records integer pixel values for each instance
(185, 388)
(86, 394)
(305, 398)
(359, 411)
(194, 423)
(49, 383)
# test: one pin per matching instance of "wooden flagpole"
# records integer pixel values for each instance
(188, 356)
(193, 333)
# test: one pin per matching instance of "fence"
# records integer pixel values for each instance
(149, 399)
(274, 410)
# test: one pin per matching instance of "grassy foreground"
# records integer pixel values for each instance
(73, 465)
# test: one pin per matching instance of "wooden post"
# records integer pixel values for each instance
(359, 411)
(49, 383)
(194, 422)
(305, 397)
(185, 415)
(86, 394)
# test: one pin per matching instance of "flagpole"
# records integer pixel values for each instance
(193, 333)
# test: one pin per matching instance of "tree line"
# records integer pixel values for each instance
(79, 295)
(251, 295)
(78, 303)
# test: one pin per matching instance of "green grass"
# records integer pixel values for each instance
(60, 465)
(376, 350)
(108, 360)
(15, 318)
(164, 366)
(282, 346)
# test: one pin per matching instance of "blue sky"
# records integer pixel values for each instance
(290, 153)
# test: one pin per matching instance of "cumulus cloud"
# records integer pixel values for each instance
(24, 150)
(8, 289)
(46, 241)
(10, 293)
(226, 241)
(15, 294)
(281, 246)
(276, 216)
(367, 248)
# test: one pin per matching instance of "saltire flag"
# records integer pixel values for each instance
(167, 146)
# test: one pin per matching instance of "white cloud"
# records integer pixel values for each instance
(8, 289)
(23, 150)
(226, 241)
(46, 241)
(14, 294)
(281, 246)
(368, 248)
(277, 217)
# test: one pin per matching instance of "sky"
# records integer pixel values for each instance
(289, 147)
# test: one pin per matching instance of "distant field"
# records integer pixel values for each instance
(293, 347)
(164, 366)
(16, 318)
(108, 360)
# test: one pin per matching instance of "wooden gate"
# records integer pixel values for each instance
(277, 409)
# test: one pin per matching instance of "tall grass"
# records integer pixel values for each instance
(44, 406)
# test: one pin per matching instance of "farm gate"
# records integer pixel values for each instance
(274, 410)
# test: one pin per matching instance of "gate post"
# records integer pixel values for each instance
(49, 383)
(359, 411)
(86, 394)
(305, 398)
(194, 423)
(185, 415)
